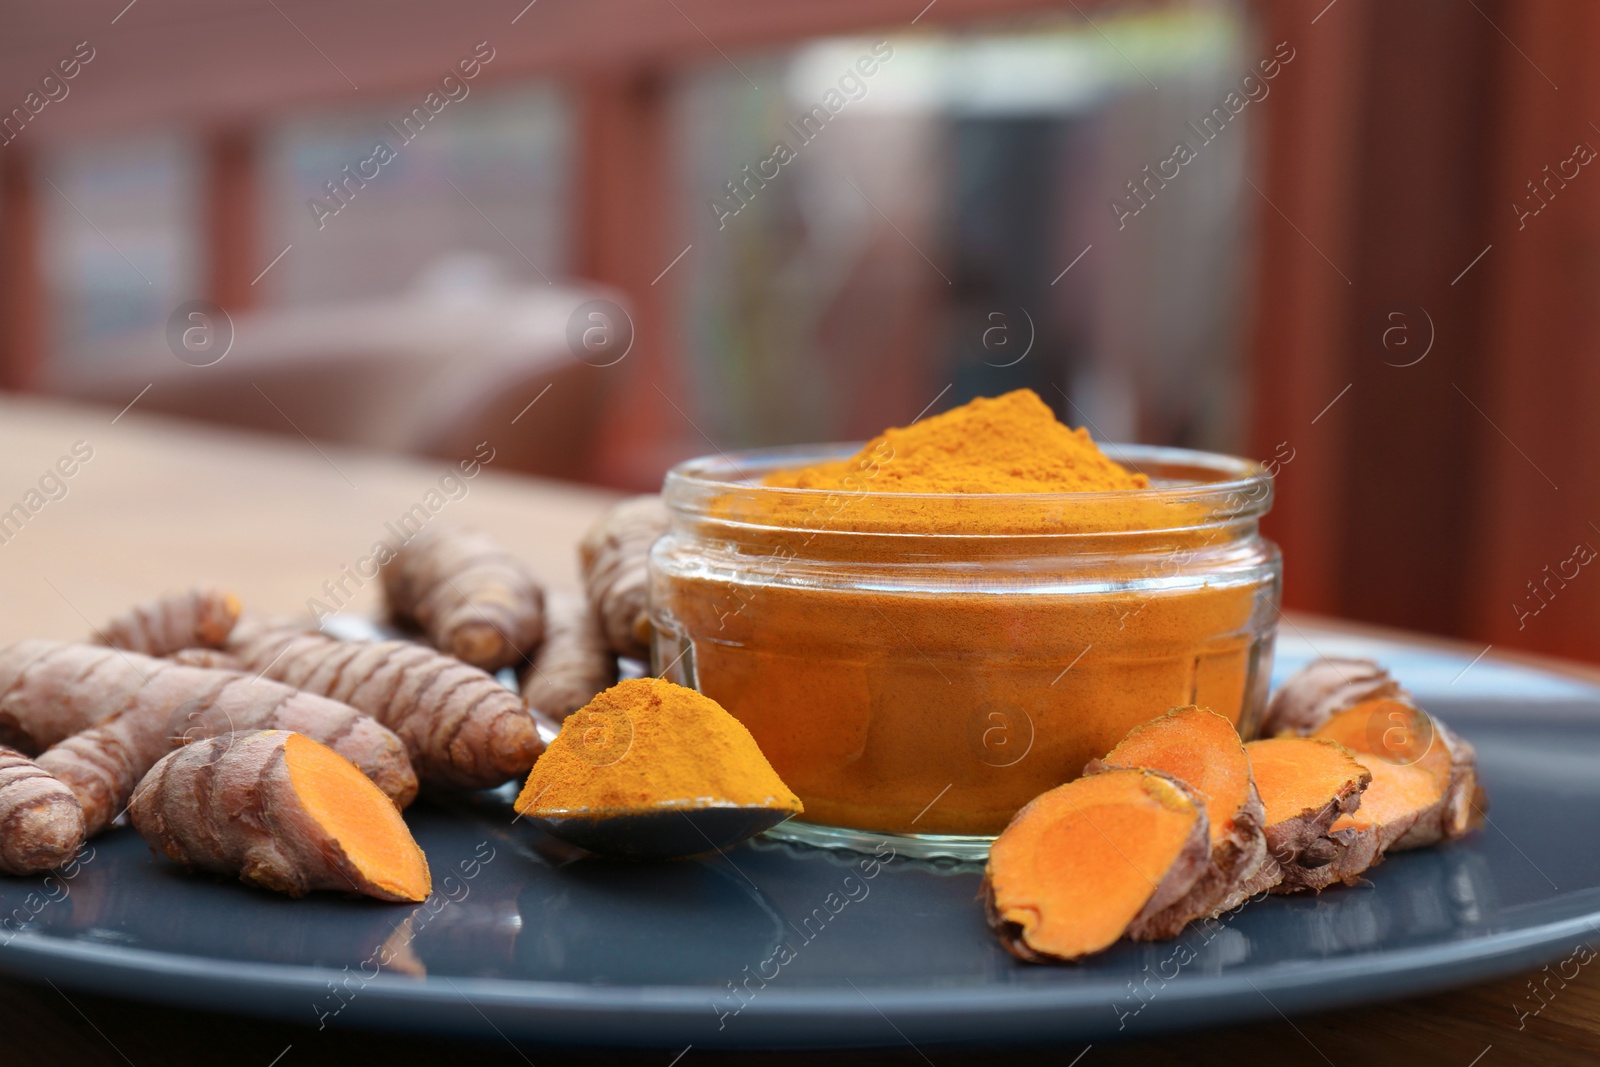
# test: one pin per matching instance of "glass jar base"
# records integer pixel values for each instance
(970, 848)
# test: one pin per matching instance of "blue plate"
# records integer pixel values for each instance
(779, 945)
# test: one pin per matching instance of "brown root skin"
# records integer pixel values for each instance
(41, 820)
(471, 597)
(461, 728)
(573, 665)
(210, 659)
(248, 703)
(1301, 843)
(1344, 856)
(1466, 805)
(1194, 744)
(103, 764)
(613, 557)
(43, 698)
(1183, 867)
(1310, 696)
(279, 811)
(195, 618)
(137, 708)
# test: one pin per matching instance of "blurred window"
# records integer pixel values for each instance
(488, 175)
(918, 236)
(120, 239)
(484, 183)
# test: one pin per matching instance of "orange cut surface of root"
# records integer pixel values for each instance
(1360, 705)
(1306, 784)
(1425, 776)
(1202, 749)
(1398, 793)
(1410, 766)
(356, 814)
(1395, 730)
(1084, 861)
(1294, 777)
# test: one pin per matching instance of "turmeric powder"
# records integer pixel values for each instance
(973, 470)
(645, 744)
(927, 635)
(1008, 444)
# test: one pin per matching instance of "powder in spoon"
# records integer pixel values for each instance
(646, 743)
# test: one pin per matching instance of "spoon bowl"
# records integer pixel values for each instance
(660, 834)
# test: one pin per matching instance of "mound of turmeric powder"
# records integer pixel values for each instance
(1000, 465)
(646, 743)
(1005, 444)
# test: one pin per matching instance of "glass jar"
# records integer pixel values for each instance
(921, 666)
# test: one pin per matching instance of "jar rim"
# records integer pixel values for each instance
(1221, 487)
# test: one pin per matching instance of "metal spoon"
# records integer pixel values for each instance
(664, 833)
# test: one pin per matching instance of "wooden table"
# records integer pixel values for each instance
(162, 505)
(165, 505)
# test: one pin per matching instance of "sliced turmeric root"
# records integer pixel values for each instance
(279, 811)
(1093, 860)
(1359, 704)
(1424, 777)
(1201, 748)
(1392, 804)
(1306, 784)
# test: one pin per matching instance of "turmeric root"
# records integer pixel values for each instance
(1306, 784)
(41, 824)
(197, 618)
(573, 664)
(47, 694)
(126, 711)
(1093, 860)
(1201, 748)
(471, 597)
(460, 727)
(211, 659)
(1356, 703)
(1322, 687)
(1424, 777)
(282, 812)
(612, 557)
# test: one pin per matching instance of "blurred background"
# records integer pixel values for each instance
(1356, 239)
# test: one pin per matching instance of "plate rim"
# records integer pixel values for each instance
(785, 1018)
